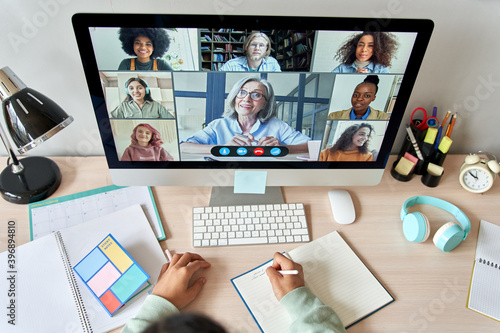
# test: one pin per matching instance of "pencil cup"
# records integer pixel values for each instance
(399, 176)
(431, 180)
(437, 158)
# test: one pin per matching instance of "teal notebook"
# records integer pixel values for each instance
(58, 213)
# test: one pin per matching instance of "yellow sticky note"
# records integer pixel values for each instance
(404, 166)
(115, 254)
(430, 136)
(434, 169)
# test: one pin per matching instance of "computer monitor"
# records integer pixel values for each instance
(190, 99)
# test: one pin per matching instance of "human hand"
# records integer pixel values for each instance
(173, 282)
(268, 141)
(362, 70)
(283, 284)
(241, 140)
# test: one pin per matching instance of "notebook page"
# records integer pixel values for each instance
(340, 279)
(40, 279)
(257, 293)
(131, 229)
(484, 296)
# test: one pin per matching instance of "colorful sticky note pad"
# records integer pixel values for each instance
(111, 274)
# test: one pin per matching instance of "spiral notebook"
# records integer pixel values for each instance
(484, 291)
(333, 272)
(49, 297)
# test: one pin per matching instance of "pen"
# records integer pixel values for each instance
(169, 255)
(414, 143)
(438, 137)
(289, 272)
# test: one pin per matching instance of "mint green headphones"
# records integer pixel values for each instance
(416, 225)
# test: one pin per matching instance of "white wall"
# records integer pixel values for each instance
(459, 72)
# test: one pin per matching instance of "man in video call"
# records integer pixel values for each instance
(256, 50)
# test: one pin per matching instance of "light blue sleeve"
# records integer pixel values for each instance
(289, 136)
(206, 136)
(309, 314)
(153, 309)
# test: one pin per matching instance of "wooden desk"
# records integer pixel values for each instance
(430, 286)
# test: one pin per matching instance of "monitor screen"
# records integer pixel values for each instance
(188, 99)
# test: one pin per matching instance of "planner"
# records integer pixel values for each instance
(46, 294)
(484, 291)
(57, 213)
(332, 271)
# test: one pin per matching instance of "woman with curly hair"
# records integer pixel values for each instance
(367, 52)
(148, 45)
(351, 146)
(146, 145)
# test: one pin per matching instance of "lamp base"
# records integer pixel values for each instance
(39, 179)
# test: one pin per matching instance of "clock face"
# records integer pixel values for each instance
(477, 179)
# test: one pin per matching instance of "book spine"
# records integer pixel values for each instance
(80, 306)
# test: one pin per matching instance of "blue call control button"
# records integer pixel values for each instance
(241, 151)
(275, 151)
(224, 151)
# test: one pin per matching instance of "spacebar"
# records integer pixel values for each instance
(247, 241)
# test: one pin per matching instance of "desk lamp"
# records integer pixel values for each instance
(30, 118)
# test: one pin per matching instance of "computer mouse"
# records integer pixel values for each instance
(342, 206)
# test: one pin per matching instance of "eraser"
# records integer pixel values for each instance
(445, 144)
(430, 136)
(404, 166)
(434, 169)
(410, 157)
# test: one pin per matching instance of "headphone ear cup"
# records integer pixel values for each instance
(448, 236)
(416, 227)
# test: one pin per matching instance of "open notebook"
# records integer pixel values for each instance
(332, 271)
(50, 298)
(484, 293)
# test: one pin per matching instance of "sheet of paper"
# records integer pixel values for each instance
(58, 213)
(250, 182)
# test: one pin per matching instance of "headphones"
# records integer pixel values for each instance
(416, 225)
(126, 85)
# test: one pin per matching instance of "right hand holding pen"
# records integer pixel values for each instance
(283, 284)
(173, 282)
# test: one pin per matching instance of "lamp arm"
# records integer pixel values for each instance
(16, 167)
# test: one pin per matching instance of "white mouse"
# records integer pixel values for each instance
(342, 206)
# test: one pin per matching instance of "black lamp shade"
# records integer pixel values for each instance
(32, 118)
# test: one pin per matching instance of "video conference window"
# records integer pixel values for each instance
(175, 94)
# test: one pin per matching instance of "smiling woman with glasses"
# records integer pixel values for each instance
(249, 119)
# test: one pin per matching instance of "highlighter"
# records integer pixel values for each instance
(429, 140)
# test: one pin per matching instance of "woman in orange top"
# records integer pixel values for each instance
(351, 146)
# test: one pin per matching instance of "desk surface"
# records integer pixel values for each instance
(430, 286)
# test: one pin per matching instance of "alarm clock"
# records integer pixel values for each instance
(477, 174)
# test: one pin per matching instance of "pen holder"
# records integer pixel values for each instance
(431, 180)
(399, 176)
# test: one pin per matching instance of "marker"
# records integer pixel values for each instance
(289, 272)
(169, 255)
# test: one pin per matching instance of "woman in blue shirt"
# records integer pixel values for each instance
(367, 52)
(250, 119)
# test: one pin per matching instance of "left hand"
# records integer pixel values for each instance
(268, 141)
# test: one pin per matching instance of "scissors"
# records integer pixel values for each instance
(426, 122)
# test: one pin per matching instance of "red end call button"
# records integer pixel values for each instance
(258, 151)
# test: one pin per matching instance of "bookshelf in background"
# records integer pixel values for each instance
(220, 45)
(294, 49)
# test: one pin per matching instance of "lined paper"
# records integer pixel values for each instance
(484, 295)
(332, 271)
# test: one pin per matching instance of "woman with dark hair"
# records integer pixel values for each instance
(139, 103)
(363, 95)
(250, 119)
(367, 52)
(146, 145)
(148, 45)
(351, 146)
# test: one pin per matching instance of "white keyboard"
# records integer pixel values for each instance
(249, 225)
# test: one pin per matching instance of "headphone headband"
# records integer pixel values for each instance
(421, 199)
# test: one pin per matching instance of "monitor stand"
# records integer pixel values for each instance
(225, 196)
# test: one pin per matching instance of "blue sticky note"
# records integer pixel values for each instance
(253, 182)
